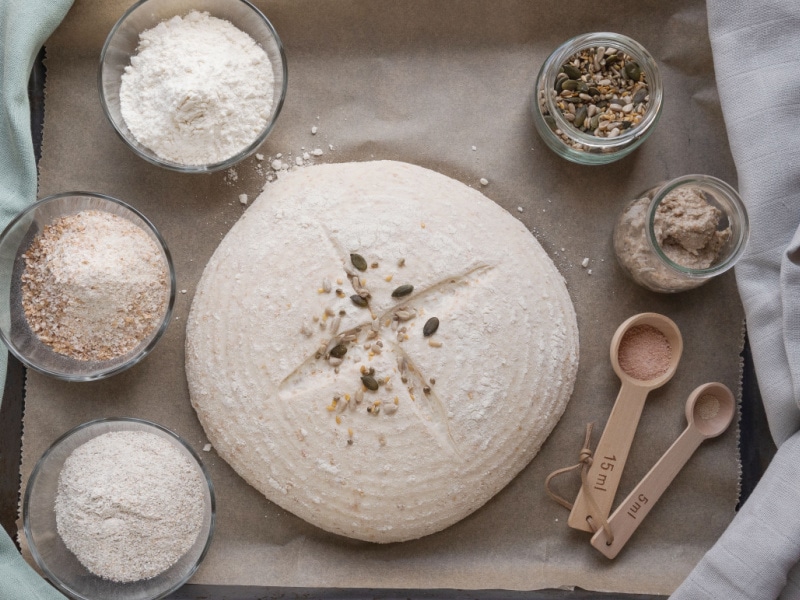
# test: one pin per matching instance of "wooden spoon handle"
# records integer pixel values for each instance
(632, 511)
(609, 457)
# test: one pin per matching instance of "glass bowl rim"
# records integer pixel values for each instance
(101, 373)
(111, 420)
(739, 212)
(150, 156)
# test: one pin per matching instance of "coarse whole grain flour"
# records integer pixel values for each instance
(94, 286)
(128, 505)
(198, 91)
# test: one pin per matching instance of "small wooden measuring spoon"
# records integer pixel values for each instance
(612, 449)
(709, 411)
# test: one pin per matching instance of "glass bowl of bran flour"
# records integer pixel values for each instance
(87, 286)
(194, 86)
(119, 508)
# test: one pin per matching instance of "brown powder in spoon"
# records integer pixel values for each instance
(644, 353)
(708, 407)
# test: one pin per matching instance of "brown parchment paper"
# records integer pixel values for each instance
(445, 84)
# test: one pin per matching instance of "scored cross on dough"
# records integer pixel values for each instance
(504, 359)
(421, 394)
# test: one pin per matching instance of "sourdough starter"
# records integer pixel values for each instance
(688, 231)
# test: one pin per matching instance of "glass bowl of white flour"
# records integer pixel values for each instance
(193, 85)
(119, 508)
(87, 286)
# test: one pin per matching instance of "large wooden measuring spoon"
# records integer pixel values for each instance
(612, 449)
(709, 411)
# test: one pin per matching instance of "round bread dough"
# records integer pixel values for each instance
(457, 414)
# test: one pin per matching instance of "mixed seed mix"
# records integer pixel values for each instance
(600, 91)
(400, 320)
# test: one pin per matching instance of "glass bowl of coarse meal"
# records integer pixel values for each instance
(87, 286)
(193, 85)
(119, 508)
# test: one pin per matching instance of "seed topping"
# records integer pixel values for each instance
(358, 300)
(358, 262)
(370, 382)
(430, 327)
(403, 290)
(339, 351)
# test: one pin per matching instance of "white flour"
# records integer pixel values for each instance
(198, 91)
(94, 286)
(129, 505)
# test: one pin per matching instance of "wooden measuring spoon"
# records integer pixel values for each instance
(612, 449)
(709, 411)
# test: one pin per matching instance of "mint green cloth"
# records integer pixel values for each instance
(24, 26)
(18, 581)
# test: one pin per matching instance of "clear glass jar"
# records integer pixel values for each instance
(557, 130)
(678, 235)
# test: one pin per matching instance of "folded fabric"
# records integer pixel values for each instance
(18, 581)
(753, 557)
(756, 51)
(25, 26)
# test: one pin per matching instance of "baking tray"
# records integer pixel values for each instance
(756, 450)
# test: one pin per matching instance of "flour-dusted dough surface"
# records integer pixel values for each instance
(503, 373)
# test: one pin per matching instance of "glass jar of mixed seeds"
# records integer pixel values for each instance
(678, 235)
(597, 97)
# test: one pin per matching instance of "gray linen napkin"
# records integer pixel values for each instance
(756, 47)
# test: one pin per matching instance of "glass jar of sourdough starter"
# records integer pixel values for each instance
(678, 235)
(597, 97)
